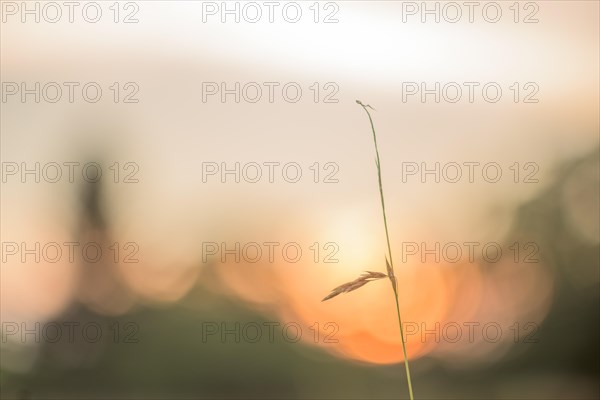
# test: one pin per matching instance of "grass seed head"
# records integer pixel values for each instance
(362, 280)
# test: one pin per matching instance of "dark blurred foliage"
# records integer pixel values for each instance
(171, 361)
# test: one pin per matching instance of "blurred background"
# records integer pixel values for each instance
(169, 276)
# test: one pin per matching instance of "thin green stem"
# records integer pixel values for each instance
(387, 236)
(410, 390)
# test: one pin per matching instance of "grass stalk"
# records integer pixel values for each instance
(370, 276)
(390, 265)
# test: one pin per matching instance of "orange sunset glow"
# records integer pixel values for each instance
(199, 198)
